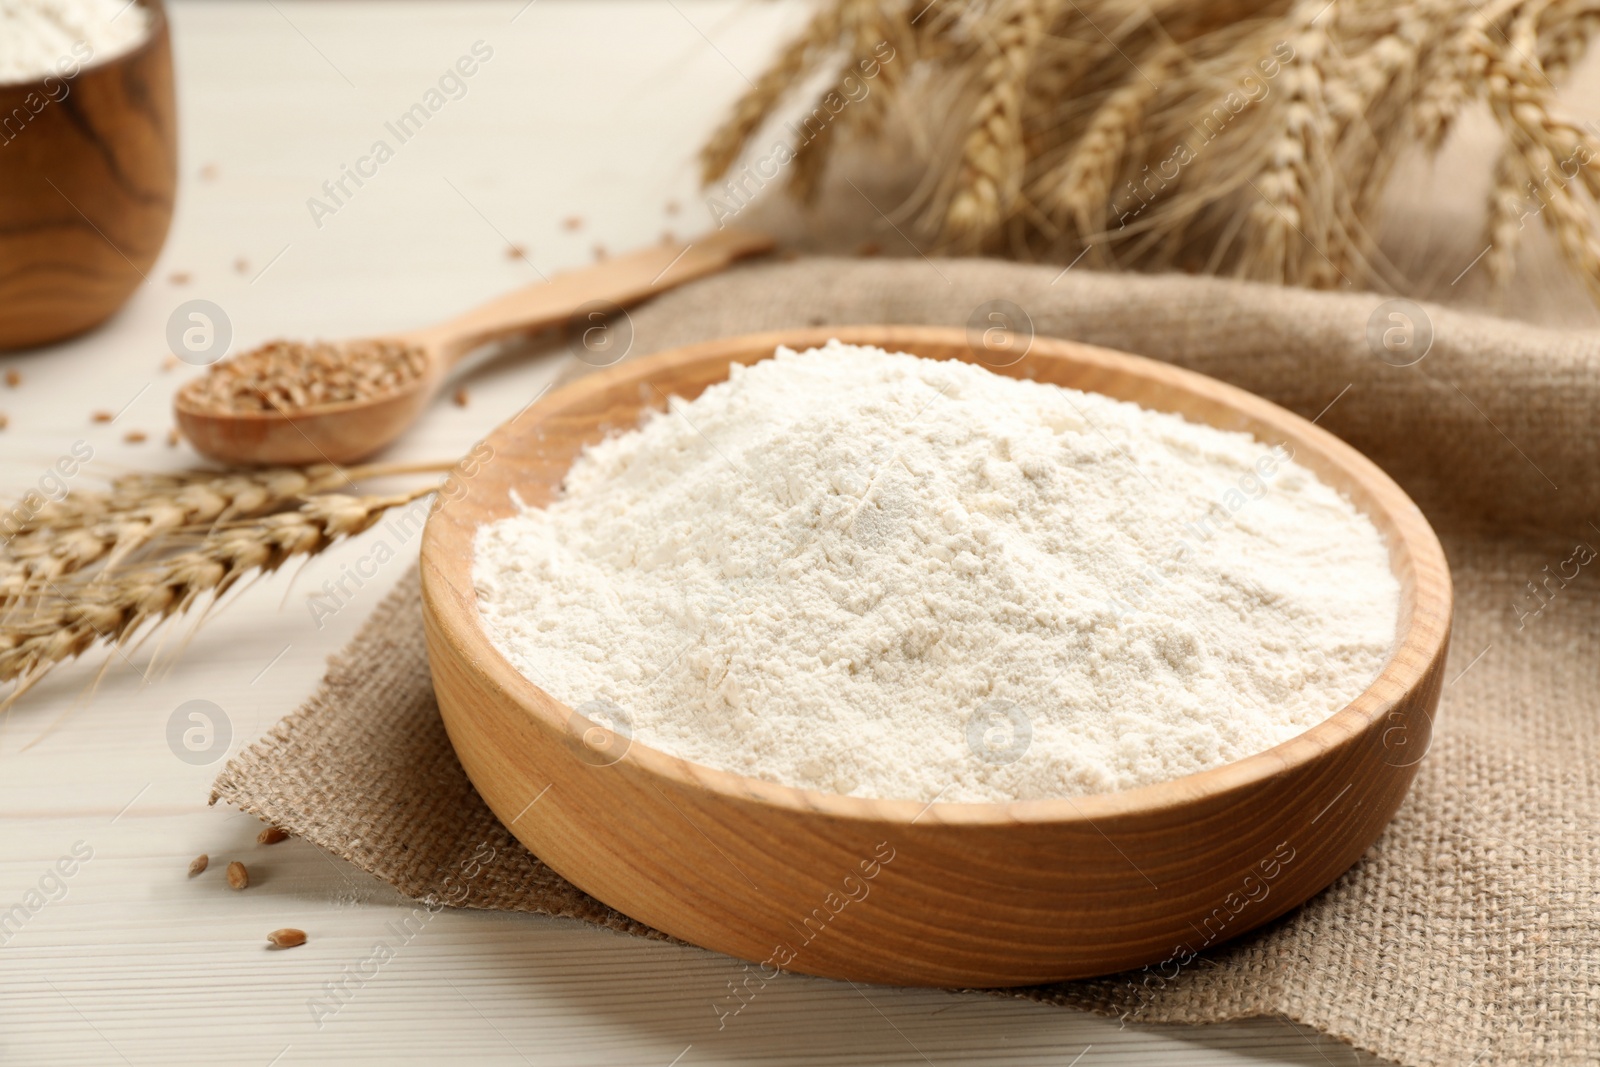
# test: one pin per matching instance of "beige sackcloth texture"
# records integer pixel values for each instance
(1469, 933)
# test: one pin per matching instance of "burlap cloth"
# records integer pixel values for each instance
(1469, 934)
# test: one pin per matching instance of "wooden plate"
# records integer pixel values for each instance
(898, 891)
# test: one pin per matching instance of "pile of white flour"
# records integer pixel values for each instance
(45, 37)
(886, 576)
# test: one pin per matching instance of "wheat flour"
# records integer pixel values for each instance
(875, 574)
(39, 38)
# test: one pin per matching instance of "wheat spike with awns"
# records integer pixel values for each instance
(1243, 138)
(113, 568)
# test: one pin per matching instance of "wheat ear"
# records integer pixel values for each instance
(757, 104)
(86, 613)
(992, 154)
(1502, 229)
(1079, 189)
(140, 510)
(1559, 159)
(1290, 225)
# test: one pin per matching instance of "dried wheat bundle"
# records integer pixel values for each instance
(1244, 137)
(111, 567)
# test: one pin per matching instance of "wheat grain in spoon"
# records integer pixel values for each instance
(363, 394)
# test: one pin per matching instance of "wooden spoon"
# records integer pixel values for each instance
(351, 430)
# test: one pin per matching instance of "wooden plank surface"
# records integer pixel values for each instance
(583, 110)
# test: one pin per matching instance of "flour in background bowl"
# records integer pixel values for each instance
(874, 574)
(39, 38)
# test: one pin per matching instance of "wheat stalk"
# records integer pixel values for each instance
(1503, 228)
(757, 105)
(139, 510)
(1079, 188)
(75, 618)
(1044, 123)
(805, 175)
(1559, 160)
(124, 562)
(1373, 100)
(1564, 35)
(992, 153)
(88, 528)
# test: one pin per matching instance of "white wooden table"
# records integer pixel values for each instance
(583, 110)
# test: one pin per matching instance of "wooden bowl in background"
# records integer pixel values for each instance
(899, 891)
(88, 169)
